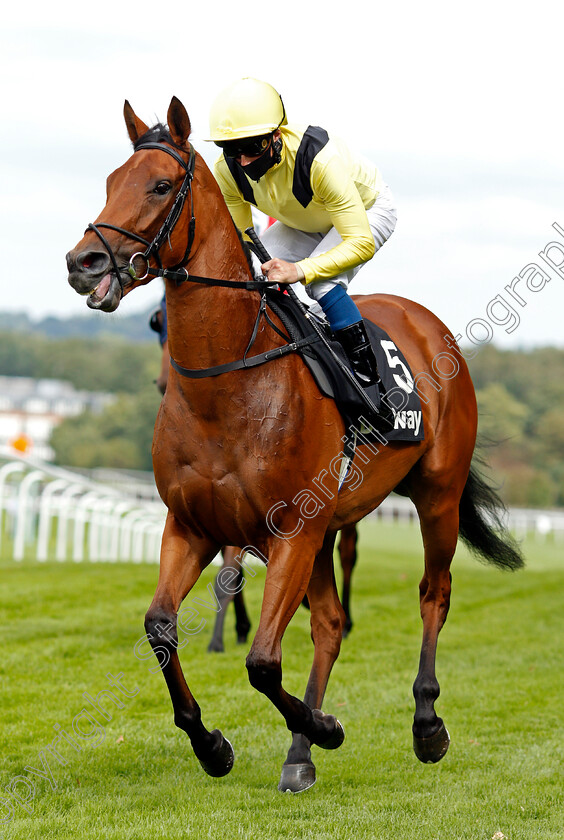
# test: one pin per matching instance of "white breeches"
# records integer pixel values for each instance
(292, 245)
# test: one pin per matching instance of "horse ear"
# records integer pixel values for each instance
(135, 127)
(178, 121)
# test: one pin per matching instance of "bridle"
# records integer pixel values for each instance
(179, 273)
(165, 231)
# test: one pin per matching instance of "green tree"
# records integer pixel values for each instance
(120, 436)
(109, 364)
(501, 416)
(550, 432)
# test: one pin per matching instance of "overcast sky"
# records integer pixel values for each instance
(460, 106)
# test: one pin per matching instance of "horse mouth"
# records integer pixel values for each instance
(106, 295)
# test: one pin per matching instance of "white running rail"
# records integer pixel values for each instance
(47, 513)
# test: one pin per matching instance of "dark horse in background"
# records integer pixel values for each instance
(235, 454)
(225, 595)
(232, 560)
(347, 545)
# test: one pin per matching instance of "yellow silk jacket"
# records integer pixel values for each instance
(318, 184)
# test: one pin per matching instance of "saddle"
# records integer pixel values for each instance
(329, 367)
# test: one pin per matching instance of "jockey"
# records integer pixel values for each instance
(333, 209)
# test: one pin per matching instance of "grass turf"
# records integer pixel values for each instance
(65, 626)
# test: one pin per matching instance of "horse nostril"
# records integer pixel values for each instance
(93, 262)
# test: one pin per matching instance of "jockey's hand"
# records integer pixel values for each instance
(280, 271)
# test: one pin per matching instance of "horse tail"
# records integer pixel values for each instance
(481, 525)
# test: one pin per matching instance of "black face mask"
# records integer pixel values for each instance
(262, 164)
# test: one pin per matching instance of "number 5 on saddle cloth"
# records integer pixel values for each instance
(327, 362)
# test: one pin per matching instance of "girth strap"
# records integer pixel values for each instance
(253, 361)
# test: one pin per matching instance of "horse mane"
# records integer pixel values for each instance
(159, 133)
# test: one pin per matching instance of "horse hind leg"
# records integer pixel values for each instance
(242, 620)
(439, 528)
(348, 554)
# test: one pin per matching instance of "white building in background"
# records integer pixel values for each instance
(31, 408)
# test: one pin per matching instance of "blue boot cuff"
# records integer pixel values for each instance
(340, 310)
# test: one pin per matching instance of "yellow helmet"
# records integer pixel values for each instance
(247, 108)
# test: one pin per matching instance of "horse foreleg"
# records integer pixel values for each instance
(440, 532)
(228, 587)
(348, 555)
(216, 641)
(327, 623)
(182, 560)
(289, 570)
(232, 559)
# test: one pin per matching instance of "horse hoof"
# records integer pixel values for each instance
(296, 778)
(337, 736)
(220, 761)
(430, 750)
(215, 647)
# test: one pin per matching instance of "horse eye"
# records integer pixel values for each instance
(162, 188)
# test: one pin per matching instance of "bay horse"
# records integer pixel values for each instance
(347, 545)
(247, 457)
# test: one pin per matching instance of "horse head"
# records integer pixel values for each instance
(142, 196)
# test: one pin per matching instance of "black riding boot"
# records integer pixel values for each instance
(356, 345)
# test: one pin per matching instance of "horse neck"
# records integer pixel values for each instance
(210, 325)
